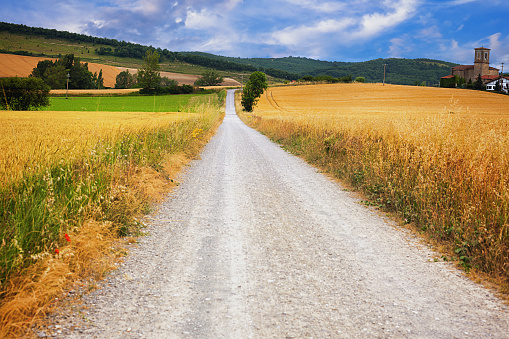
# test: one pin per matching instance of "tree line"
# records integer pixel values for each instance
(68, 68)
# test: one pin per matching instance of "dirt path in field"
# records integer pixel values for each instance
(255, 243)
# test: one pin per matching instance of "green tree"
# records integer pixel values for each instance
(167, 82)
(99, 80)
(478, 84)
(148, 75)
(360, 79)
(23, 94)
(124, 80)
(209, 78)
(253, 89)
(56, 77)
(51, 73)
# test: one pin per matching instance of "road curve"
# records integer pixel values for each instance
(255, 243)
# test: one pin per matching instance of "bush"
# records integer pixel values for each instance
(209, 78)
(23, 94)
(184, 89)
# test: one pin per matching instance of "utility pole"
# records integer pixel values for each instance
(385, 65)
(501, 78)
(68, 76)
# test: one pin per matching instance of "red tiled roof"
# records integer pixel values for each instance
(489, 77)
(448, 77)
(462, 67)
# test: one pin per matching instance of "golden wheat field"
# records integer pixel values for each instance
(438, 157)
(19, 65)
(377, 100)
(33, 139)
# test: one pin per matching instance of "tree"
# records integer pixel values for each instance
(478, 85)
(253, 89)
(54, 73)
(124, 80)
(360, 79)
(209, 78)
(167, 82)
(55, 77)
(148, 75)
(99, 80)
(23, 94)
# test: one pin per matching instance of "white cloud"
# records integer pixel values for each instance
(319, 6)
(460, 2)
(399, 46)
(429, 33)
(373, 24)
(201, 20)
(312, 36)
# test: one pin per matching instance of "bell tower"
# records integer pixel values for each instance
(482, 62)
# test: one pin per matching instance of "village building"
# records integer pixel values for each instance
(480, 67)
(503, 83)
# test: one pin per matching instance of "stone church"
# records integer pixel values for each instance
(481, 67)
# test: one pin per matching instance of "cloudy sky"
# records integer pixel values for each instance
(343, 30)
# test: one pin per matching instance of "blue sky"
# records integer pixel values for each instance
(344, 30)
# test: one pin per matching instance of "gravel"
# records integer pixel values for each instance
(255, 243)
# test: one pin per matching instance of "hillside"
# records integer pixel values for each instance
(398, 71)
(24, 40)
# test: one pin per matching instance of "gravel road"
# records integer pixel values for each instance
(255, 243)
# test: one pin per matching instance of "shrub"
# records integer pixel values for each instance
(23, 94)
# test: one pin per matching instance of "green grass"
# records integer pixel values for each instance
(164, 103)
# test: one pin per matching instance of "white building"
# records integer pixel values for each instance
(490, 86)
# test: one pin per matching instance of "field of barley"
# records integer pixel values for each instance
(72, 182)
(438, 157)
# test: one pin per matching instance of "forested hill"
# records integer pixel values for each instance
(398, 71)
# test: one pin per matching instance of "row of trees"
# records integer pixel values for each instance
(130, 50)
(54, 74)
(461, 82)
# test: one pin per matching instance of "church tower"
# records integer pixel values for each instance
(482, 62)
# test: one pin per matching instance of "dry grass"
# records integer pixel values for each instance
(438, 157)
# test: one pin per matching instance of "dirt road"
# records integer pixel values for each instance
(257, 244)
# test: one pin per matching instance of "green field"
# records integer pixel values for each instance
(164, 103)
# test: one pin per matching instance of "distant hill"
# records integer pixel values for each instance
(31, 41)
(398, 71)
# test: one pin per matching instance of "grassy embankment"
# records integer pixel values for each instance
(71, 183)
(437, 157)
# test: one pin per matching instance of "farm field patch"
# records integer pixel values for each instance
(164, 103)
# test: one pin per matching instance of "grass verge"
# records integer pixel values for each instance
(61, 220)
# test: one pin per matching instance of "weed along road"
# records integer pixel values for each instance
(255, 243)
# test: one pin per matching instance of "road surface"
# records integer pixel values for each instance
(255, 243)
